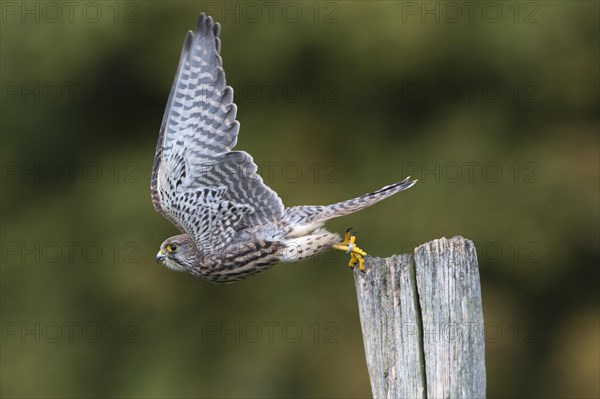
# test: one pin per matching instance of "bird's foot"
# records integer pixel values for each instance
(356, 254)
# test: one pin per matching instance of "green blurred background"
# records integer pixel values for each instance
(492, 105)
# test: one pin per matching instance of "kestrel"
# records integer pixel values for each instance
(232, 224)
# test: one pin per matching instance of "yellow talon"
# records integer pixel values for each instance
(356, 254)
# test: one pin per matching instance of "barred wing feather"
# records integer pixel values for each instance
(194, 167)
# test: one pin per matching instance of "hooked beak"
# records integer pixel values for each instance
(160, 256)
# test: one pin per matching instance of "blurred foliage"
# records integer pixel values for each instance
(356, 126)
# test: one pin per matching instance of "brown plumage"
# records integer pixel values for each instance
(233, 225)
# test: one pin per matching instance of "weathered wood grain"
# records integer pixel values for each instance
(422, 322)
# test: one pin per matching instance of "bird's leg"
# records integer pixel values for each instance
(356, 254)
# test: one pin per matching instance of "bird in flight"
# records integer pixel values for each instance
(233, 225)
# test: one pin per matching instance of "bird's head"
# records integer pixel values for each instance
(178, 253)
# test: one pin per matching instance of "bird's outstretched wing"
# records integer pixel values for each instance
(198, 183)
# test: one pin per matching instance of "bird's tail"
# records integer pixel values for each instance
(321, 213)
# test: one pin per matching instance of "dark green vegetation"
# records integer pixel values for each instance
(497, 119)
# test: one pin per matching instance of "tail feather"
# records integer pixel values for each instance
(321, 213)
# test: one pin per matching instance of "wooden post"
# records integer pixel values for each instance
(422, 322)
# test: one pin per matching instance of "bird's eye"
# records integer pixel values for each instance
(172, 247)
